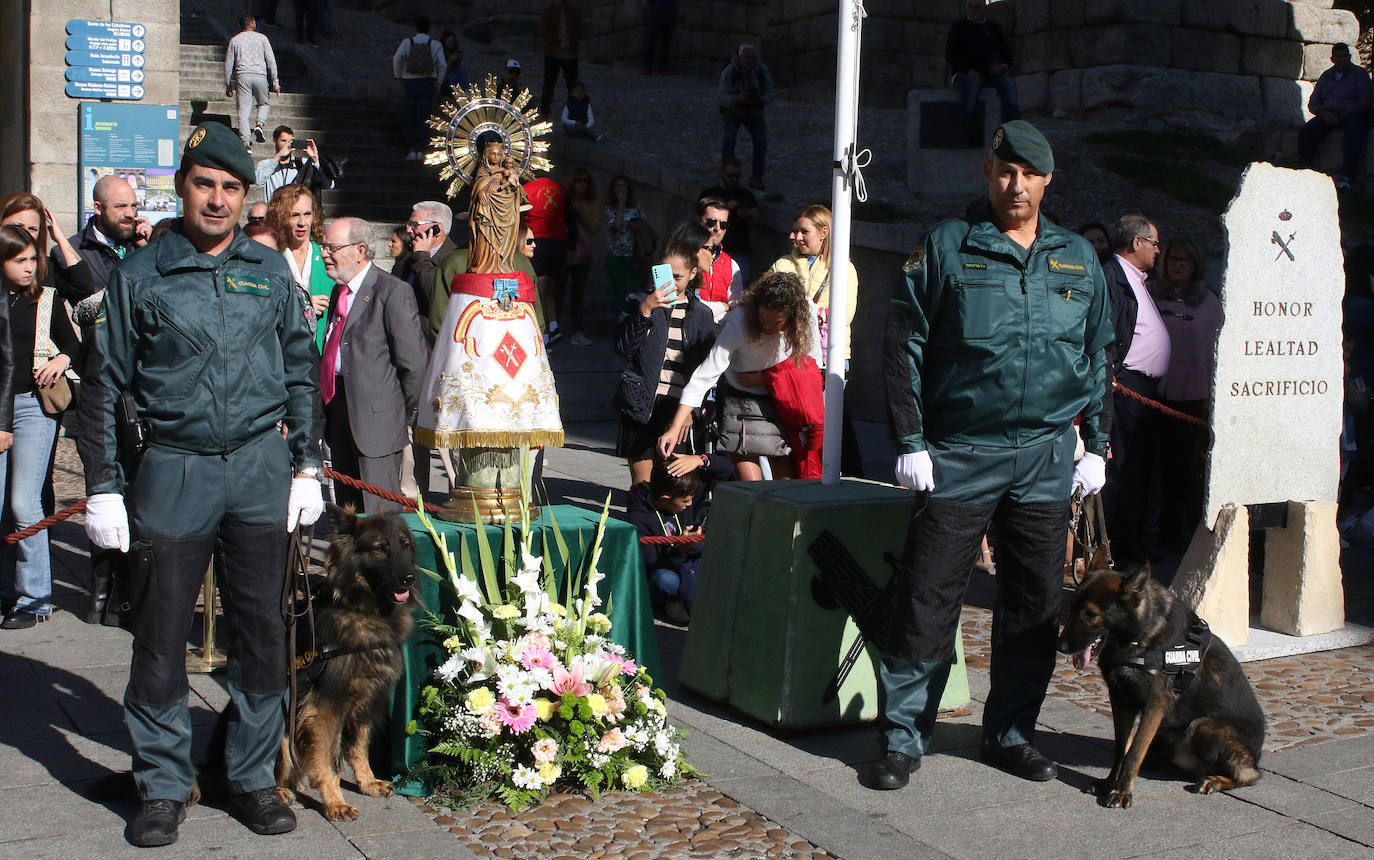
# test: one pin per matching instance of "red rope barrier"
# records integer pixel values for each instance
(67, 512)
(408, 504)
(674, 540)
(45, 523)
(1118, 388)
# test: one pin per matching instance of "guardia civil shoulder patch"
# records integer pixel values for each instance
(1067, 266)
(251, 286)
(915, 261)
(979, 266)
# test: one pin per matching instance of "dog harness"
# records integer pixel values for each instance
(1180, 661)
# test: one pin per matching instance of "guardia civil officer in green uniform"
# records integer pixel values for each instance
(205, 329)
(996, 343)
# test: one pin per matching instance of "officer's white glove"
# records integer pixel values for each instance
(107, 522)
(305, 504)
(916, 471)
(1090, 474)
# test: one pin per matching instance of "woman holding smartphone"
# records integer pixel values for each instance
(663, 337)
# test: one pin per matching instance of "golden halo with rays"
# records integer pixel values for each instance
(466, 116)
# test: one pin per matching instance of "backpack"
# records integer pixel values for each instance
(419, 59)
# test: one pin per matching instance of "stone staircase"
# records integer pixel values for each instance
(363, 131)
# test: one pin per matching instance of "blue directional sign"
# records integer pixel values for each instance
(105, 43)
(104, 90)
(110, 74)
(111, 29)
(105, 58)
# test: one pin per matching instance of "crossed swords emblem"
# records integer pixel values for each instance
(1276, 239)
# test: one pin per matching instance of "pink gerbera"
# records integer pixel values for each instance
(538, 658)
(565, 682)
(518, 718)
(627, 666)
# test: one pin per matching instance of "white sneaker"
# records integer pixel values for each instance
(580, 339)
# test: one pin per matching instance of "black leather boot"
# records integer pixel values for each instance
(156, 823)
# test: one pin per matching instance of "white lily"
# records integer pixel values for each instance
(483, 661)
(467, 589)
(477, 621)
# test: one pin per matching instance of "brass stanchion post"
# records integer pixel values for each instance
(207, 658)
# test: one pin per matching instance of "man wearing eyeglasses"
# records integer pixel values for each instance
(723, 283)
(428, 227)
(370, 371)
(1138, 361)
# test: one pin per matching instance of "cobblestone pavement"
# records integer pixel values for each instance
(692, 820)
(1306, 698)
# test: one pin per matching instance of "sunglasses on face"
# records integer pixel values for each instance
(712, 222)
(531, 242)
(256, 219)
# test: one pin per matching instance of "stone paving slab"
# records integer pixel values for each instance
(1294, 840)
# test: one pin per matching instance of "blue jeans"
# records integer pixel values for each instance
(968, 88)
(419, 98)
(758, 135)
(27, 572)
(666, 584)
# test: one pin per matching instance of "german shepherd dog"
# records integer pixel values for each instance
(363, 619)
(1145, 640)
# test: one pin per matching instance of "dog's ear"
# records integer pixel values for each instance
(1137, 579)
(342, 520)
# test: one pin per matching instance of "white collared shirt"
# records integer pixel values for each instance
(1149, 352)
(352, 286)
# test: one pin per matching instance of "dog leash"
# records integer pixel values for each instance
(1089, 529)
(296, 602)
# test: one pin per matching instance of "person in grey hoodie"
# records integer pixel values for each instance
(250, 70)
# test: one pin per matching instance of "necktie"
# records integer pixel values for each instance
(329, 366)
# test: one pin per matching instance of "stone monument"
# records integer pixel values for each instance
(488, 391)
(1276, 409)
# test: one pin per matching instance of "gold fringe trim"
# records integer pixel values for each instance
(488, 438)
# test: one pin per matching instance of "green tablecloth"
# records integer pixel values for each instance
(625, 589)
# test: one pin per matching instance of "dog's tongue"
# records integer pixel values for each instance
(1084, 657)
(401, 596)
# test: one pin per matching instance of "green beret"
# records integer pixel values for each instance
(1020, 141)
(214, 144)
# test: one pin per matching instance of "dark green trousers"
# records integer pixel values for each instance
(1025, 492)
(186, 506)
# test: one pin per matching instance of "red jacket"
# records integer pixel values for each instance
(715, 283)
(798, 392)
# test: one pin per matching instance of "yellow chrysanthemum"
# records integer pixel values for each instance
(597, 703)
(549, 772)
(558, 609)
(544, 708)
(598, 622)
(454, 644)
(635, 777)
(479, 701)
(505, 612)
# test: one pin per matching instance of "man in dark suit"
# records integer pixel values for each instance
(1138, 360)
(429, 226)
(374, 356)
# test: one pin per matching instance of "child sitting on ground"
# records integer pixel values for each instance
(577, 114)
(675, 501)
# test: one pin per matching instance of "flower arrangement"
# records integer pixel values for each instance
(532, 695)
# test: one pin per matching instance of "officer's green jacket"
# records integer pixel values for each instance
(215, 350)
(986, 349)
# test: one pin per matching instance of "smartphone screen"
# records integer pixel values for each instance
(661, 274)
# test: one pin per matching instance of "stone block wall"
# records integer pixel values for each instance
(1230, 58)
(1233, 58)
(52, 115)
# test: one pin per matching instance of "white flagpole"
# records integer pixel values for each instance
(844, 174)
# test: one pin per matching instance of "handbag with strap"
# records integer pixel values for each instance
(57, 396)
